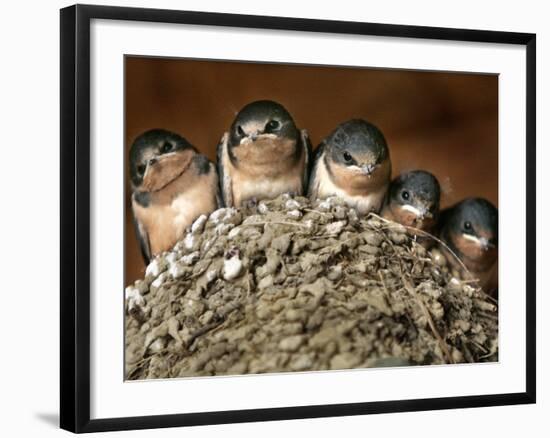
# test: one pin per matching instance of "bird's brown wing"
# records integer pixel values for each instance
(223, 172)
(306, 144)
(142, 237)
(313, 185)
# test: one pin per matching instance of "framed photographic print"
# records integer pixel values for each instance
(290, 218)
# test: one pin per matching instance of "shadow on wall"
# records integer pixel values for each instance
(446, 123)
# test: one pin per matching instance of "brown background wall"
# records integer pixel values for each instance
(444, 123)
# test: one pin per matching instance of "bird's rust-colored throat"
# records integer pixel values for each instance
(357, 183)
(265, 156)
(474, 255)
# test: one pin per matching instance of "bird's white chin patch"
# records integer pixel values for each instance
(363, 170)
(411, 209)
(471, 238)
(481, 241)
(248, 140)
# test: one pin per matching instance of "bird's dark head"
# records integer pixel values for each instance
(263, 119)
(157, 157)
(357, 158)
(471, 227)
(414, 198)
(263, 139)
(357, 145)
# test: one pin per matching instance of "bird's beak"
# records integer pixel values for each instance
(486, 244)
(425, 213)
(367, 169)
(250, 137)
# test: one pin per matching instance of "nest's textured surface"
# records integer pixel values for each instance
(294, 286)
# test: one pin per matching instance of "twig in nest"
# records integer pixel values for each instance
(137, 365)
(415, 231)
(426, 234)
(467, 353)
(309, 210)
(431, 323)
(490, 316)
(485, 356)
(261, 224)
(425, 311)
(248, 292)
(383, 284)
(478, 345)
(204, 329)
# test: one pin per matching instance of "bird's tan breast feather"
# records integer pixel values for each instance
(174, 209)
(264, 181)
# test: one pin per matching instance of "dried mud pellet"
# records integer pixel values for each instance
(463, 325)
(265, 282)
(369, 249)
(437, 311)
(344, 360)
(398, 228)
(335, 228)
(295, 315)
(291, 343)
(335, 273)
(302, 362)
(157, 266)
(373, 238)
(420, 250)
(340, 213)
(232, 268)
(457, 356)
(438, 257)
(398, 238)
(206, 317)
(294, 214)
(193, 308)
(281, 243)
(263, 312)
(484, 305)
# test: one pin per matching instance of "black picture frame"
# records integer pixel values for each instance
(75, 217)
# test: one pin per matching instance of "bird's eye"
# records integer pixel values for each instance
(166, 147)
(240, 131)
(468, 226)
(405, 195)
(272, 125)
(141, 169)
(347, 156)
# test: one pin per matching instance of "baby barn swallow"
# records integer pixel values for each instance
(172, 185)
(262, 155)
(470, 229)
(413, 200)
(354, 164)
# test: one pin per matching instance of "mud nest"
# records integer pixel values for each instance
(291, 285)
